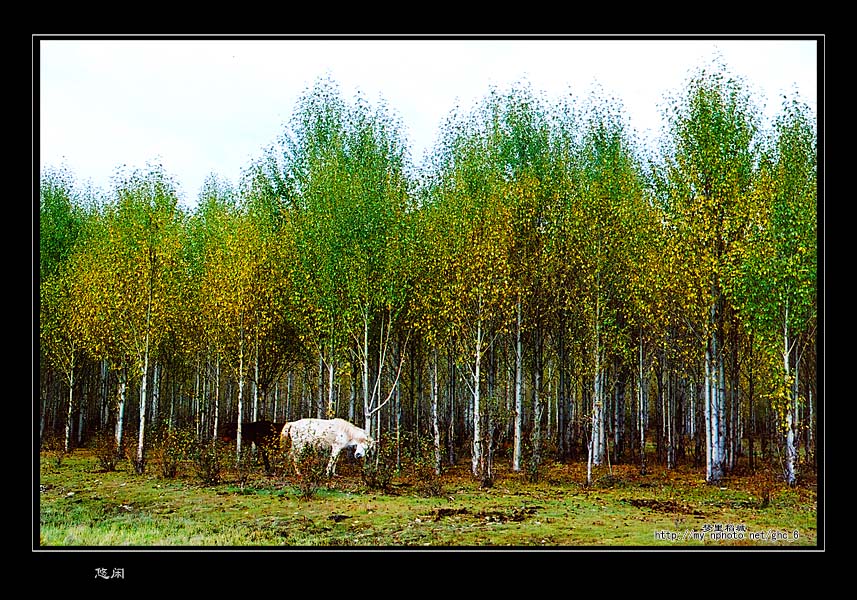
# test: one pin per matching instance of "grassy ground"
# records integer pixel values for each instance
(81, 505)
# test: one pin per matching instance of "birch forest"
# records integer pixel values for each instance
(544, 287)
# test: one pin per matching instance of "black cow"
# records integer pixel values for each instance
(265, 434)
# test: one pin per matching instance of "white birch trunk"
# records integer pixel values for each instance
(70, 378)
(140, 465)
(289, 387)
(598, 440)
(256, 376)
(195, 406)
(142, 429)
(367, 401)
(791, 452)
(331, 367)
(397, 403)
(589, 452)
(105, 405)
(714, 416)
(434, 414)
(709, 437)
(156, 393)
(216, 395)
(276, 400)
(641, 407)
(519, 401)
(538, 409)
(240, 392)
(477, 433)
(721, 417)
(669, 423)
(352, 398)
(120, 416)
(319, 408)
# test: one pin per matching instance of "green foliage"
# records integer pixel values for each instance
(418, 459)
(209, 460)
(62, 219)
(54, 447)
(533, 464)
(331, 248)
(106, 450)
(171, 448)
(312, 462)
(379, 466)
(774, 272)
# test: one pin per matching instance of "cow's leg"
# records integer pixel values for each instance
(331, 464)
(264, 452)
(295, 460)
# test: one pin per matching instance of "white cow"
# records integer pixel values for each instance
(334, 434)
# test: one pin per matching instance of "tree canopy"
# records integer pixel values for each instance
(545, 280)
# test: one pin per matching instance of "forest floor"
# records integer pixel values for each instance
(81, 505)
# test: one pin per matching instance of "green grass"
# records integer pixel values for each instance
(80, 506)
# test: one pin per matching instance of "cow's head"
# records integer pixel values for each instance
(362, 446)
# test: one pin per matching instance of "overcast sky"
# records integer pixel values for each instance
(203, 106)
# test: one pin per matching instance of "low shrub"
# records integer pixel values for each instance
(170, 449)
(379, 466)
(312, 462)
(420, 464)
(209, 460)
(106, 451)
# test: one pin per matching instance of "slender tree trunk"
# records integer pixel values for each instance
(105, 394)
(290, 386)
(156, 393)
(641, 407)
(588, 406)
(434, 413)
(598, 439)
(42, 415)
(319, 408)
(713, 414)
(355, 374)
(397, 407)
(562, 398)
(256, 374)
(331, 367)
(216, 395)
(537, 398)
(797, 412)
(721, 413)
(70, 407)
(810, 442)
(791, 404)
(598, 430)
(669, 413)
(120, 409)
(450, 438)
(277, 405)
(240, 425)
(519, 402)
(139, 463)
(81, 414)
(476, 457)
(751, 434)
(195, 401)
(367, 401)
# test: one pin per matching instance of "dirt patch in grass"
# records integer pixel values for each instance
(664, 506)
(514, 514)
